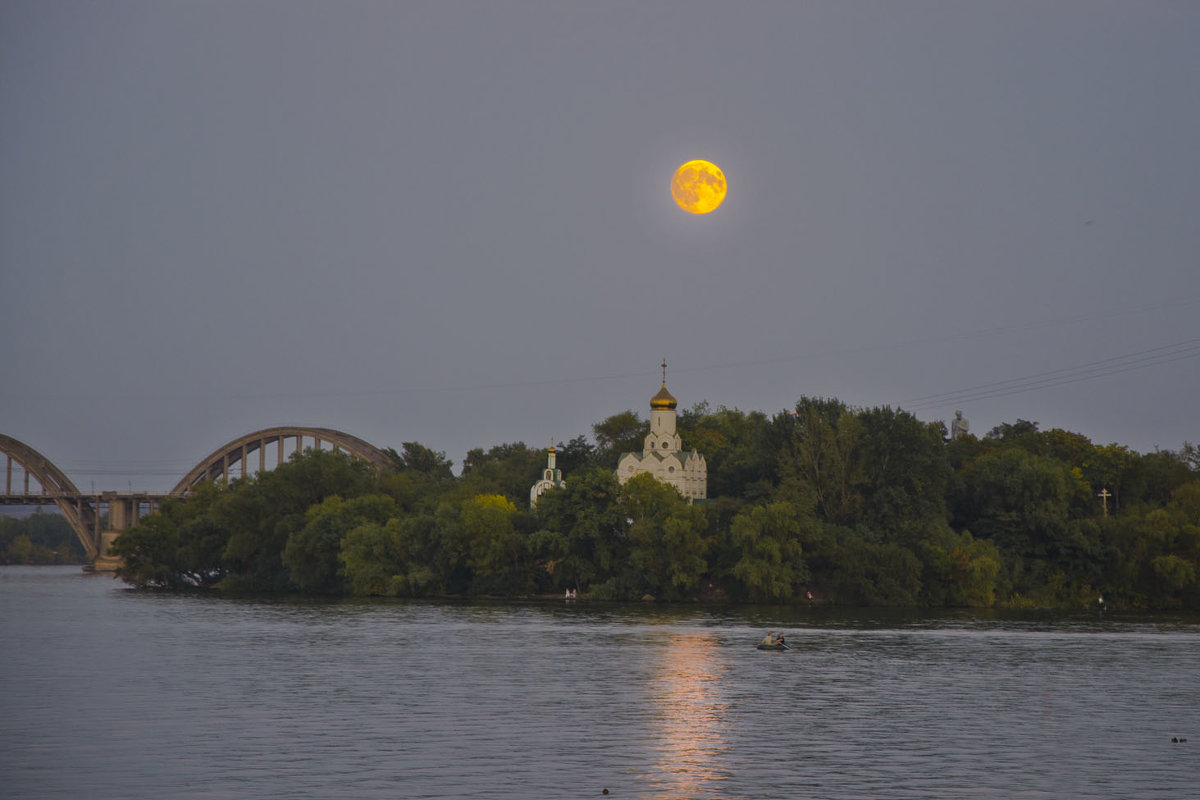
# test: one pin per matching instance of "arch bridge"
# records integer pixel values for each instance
(99, 517)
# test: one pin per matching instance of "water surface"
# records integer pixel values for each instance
(111, 693)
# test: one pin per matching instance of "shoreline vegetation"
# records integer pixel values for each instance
(39, 538)
(824, 504)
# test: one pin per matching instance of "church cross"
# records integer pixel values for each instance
(1104, 495)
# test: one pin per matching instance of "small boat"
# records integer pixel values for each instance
(772, 647)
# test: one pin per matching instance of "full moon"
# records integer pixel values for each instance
(698, 187)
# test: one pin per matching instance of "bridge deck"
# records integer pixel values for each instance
(47, 498)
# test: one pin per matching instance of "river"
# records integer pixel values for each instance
(112, 693)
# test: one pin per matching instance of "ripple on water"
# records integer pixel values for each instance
(110, 693)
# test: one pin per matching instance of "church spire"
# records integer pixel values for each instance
(662, 453)
(663, 400)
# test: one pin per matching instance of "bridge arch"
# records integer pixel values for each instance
(217, 465)
(80, 512)
(85, 513)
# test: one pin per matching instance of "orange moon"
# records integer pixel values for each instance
(698, 187)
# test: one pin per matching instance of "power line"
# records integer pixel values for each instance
(1126, 357)
(1143, 359)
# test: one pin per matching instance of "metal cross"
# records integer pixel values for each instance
(1104, 495)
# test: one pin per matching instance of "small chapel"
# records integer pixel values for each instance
(662, 452)
(551, 479)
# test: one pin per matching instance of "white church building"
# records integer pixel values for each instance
(551, 479)
(662, 452)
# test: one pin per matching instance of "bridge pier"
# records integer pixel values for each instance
(105, 562)
(124, 511)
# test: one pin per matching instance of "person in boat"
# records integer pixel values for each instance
(769, 638)
(779, 640)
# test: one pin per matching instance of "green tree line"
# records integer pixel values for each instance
(822, 503)
(39, 539)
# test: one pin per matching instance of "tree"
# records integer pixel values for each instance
(1073, 449)
(1154, 555)
(311, 553)
(1177, 568)
(821, 454)
(372, 559)
(1108, 467)
(959, 570)
(1153, 477)
(1184, 507)
(863, 569)
(863, 506)
(1022, 433)
(495, 550)
(737, 448)
(180, 546)
(620, 433)
(903, 472)
(576, 455)
(666, 537)
(1175, 572)
(263, 511)
(771, 566)
(406, 556)
(582, 537)
(415, 456)
(507, 469)
(39, 539)
(1190, 455)
(1022, 502)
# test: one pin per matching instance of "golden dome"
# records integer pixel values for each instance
(662, 400)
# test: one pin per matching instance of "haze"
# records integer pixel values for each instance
(451, 222)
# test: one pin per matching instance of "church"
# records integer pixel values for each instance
(662, 452)
(551, 479)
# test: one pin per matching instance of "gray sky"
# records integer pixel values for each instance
(451, 222)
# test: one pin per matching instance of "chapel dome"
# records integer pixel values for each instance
(662, 400)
